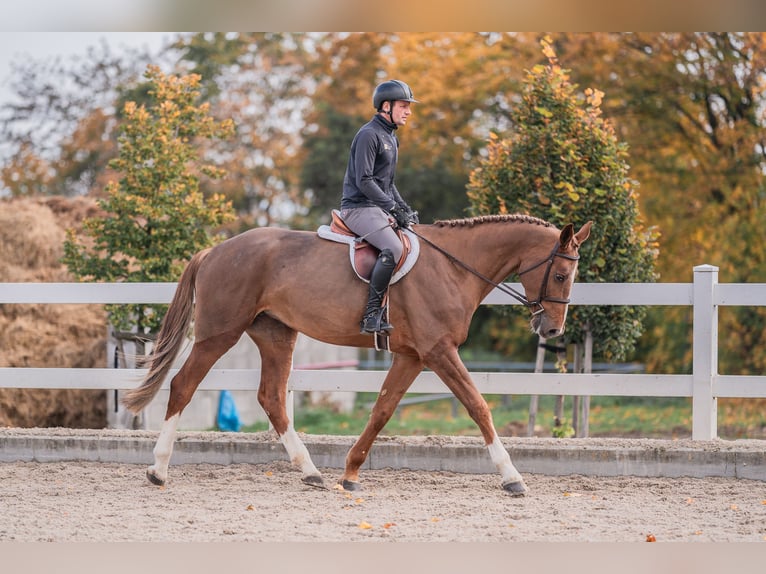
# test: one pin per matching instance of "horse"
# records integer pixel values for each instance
(273, 283)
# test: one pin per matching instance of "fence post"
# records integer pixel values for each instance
(705, 353)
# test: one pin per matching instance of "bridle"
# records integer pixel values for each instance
(543, 293)
(520, 297)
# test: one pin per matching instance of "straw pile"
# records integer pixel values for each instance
(32, 232)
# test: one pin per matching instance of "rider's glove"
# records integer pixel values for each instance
(402, 218)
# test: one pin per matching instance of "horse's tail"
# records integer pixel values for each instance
(173, 331)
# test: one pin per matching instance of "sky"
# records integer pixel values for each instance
(45, 45)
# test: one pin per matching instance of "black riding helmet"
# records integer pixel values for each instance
(390, 91)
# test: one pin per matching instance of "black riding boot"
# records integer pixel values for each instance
(373, 322)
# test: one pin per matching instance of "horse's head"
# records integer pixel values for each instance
(548, 281)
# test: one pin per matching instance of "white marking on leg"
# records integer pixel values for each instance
(502, 461)
(298, 453)
(164, 447)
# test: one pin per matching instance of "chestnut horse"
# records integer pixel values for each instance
(273, 283)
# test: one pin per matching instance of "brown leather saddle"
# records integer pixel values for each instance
(364, 255)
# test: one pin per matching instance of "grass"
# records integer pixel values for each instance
(609, 417)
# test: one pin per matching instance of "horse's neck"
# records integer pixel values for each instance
(493, 249)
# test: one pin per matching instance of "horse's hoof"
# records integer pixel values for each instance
(154, 479)
(314, 480)
(350, 485)
(517, 488)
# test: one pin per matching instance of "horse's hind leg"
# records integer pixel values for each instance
(403, 371)
(202, 357)
(276, 342)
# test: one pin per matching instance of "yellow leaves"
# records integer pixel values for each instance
(651, 538)
(250, 507)
(364, 525)
(548, 50)
(593, 97)
(569, 189)
(544, 112)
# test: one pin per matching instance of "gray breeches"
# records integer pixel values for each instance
(372, 223)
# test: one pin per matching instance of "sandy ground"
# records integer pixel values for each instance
(107, 502)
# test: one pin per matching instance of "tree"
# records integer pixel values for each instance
(690, 107)
(155, 216)
(263, 82)
(58, 133)
(564, 163)
(464, 82)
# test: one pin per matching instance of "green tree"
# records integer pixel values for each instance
(563, 162)
(155, 217)
(690, 107)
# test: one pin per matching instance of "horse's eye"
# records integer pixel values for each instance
(560, 277)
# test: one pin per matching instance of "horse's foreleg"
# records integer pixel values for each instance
(182, 387)
(403, 371)
(276, 342)
(446, 363)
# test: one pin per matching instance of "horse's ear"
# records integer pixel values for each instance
(584, 232)
(566, 235)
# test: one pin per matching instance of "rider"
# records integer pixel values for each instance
(370, 195)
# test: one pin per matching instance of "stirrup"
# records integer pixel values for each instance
(374, 323)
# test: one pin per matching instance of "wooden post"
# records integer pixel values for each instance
(577, 368)
(534, 401)
(587, 368)
(558, 410)
(705, 354)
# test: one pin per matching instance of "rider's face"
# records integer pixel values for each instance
(401, 112)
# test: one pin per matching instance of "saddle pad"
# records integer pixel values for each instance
(325, 232)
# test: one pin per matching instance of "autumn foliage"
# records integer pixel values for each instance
(154, 217)
(688, 107)
(562, 161)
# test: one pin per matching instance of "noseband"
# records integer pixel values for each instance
(520, 297)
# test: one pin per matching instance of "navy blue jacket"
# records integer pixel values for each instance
(369, 178)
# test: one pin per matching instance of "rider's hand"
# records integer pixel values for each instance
(402, 218)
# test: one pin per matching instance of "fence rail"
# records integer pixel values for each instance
(705, 295)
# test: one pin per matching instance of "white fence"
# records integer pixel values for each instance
(704, 385)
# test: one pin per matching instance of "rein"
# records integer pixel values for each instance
(520, 297)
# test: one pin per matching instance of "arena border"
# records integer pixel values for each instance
(555, 457)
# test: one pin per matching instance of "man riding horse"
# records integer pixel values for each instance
(370, 196)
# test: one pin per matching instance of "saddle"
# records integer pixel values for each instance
(363, 255)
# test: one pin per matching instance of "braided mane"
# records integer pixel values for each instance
(513, 218)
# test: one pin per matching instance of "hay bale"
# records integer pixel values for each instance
(32, 232)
